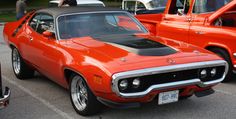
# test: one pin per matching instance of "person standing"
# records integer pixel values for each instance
(20, 9)
(67, 2)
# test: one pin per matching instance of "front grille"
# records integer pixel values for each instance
(155, 79)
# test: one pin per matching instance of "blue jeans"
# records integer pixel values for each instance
(19, 15)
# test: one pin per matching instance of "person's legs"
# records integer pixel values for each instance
(19, 16)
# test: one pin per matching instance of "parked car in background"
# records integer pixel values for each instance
(4, 97)
(54, 3)
(106, 56)
(210, 24)
(144, 6)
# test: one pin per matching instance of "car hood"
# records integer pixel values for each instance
(133, 49)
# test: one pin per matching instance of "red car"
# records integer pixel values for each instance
(106, 56)
(4, 97)
(209, 24)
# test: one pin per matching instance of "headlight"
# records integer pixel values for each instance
(203, 73)
(136, 83)
(213, 72)
(123, 84)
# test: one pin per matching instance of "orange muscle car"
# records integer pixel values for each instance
(105, 56)
(210, 24)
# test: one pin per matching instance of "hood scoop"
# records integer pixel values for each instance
(138, 45)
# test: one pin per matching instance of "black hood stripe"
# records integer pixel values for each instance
(139, 46)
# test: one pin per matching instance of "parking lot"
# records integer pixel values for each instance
(40, 98)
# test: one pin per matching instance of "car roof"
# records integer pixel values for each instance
(143, 1)
(79, 2)
(57, 11)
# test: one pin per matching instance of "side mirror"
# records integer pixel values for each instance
(49, 34)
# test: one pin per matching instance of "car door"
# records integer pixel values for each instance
(44, 53)
(26, 38)
(176, 21)
(201, 32)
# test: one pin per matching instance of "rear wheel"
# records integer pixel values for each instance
(82, 99)
(224, 54)
(20, 68)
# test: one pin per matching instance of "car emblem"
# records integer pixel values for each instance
(171, 61)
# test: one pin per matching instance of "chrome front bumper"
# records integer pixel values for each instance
(166, 69)
(4, 101)
(235, 64)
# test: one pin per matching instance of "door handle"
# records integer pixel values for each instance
(200, 32)
(31, 39)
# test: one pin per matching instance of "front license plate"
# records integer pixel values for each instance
(168, 97)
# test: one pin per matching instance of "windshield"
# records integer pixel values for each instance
(98, 24)
(204, 6)
(157, 3)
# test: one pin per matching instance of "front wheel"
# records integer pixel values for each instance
(82, 99)
(224, 54)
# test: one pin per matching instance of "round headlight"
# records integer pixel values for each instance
(213, 72)
(123, 84)
(136, 83)
(203, 73)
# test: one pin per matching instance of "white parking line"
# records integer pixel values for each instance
(225, 92)
(46, 103)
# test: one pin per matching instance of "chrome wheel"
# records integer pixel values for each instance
(79, 93)
(16, 61)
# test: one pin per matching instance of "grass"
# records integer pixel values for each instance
(7, 17)
(32, 3)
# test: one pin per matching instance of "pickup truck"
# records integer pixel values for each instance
(144, 6)
(4, 98)
(210, 24)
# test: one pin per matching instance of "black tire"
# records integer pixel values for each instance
(92, 106)
(225, 55)
(20, 68)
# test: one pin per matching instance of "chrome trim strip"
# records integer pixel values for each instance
(234, 66)
(5, 98)
(234, 54)
(165, 69)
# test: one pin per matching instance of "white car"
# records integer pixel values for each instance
(54, 3)
(144, 6)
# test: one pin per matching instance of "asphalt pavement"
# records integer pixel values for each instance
(40, 98)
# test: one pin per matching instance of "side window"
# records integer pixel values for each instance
(130, 6)
(203, 6)
(34, 22)
(140, 6)
(45, 23)
(179, 7)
